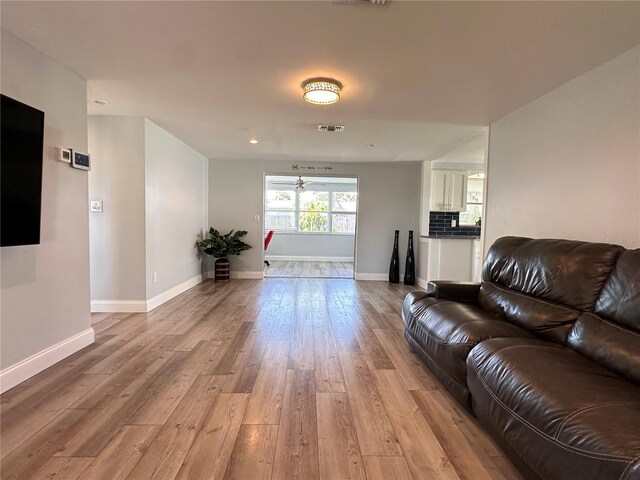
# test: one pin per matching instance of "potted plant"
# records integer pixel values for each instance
(221, 247)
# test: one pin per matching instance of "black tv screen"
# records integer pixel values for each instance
(21, 144)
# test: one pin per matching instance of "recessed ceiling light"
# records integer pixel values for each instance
(321, 91)
(253, 141)
(100, 102)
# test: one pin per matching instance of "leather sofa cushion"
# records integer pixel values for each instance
(620, 298)
(608, 343)
(563, 414)
(612, 337)
(411, 305)
(448, 330)
(565, 272)
(465, 292)
(544, 318)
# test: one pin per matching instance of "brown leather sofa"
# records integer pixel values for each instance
(545, 352)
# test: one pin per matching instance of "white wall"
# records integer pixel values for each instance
(425, 197)
(154, 192)
(423, 261)
(176, 209)
(389, 200)
(568, 164)
(312, 245)
(45, 287)
(118, 232)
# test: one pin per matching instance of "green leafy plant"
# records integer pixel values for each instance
(313, 222)
(222, 246)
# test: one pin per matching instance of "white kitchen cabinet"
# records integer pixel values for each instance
(450, 259)
(448, 191)
(439, 196)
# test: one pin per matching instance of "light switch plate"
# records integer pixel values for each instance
(256, 218)
(95, 205)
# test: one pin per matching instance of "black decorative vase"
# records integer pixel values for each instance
(410, 265)
(394, 265)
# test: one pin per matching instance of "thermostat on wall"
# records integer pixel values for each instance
(63, 154)
(81, 160)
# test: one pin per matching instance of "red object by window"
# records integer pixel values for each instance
(267, 239)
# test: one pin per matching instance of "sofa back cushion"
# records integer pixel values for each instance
(544, 285)
(611, 335)
(544, 318)
(619, 300)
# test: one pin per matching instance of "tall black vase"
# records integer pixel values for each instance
(394, 265)
(410, 265)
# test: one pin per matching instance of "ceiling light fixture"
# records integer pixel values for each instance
(321, 91)
(253, 141)
(100, 102)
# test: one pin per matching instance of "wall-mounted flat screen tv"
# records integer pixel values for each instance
(21, 145)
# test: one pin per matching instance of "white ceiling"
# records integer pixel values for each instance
(470, 150)
(418, 76)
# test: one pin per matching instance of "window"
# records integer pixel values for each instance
(473, 213)
(280, 211)
(343, 212)
(311, 211)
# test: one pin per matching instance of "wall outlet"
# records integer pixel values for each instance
(154, 277)
(95, 205)
(454, 223)
(256, 218)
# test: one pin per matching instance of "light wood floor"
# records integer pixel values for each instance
(273, 379)
(295, 269)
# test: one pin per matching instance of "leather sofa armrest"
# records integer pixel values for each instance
(465, 292)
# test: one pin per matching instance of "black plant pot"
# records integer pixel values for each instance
(394, 265)
(410, 265)
(222, 270)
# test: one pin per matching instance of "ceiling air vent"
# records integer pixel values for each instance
(331, 128)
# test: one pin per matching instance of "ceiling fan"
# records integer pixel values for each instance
(299, 184)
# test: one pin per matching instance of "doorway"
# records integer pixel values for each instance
(313, 219)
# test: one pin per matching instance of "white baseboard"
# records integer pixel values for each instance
(306, 258)
(384, 277)
(142, 306)
(254, 275)
(27, 368)
(241, 275)
(376, 277)
(167, 295)
(129, 306)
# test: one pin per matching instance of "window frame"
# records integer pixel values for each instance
(329, 212)
(299, 211)
(481, 204)
(294, 211)
(333, 212)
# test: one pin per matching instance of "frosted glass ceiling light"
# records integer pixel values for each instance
(321, 91)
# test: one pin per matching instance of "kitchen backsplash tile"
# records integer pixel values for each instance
(440, 225)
